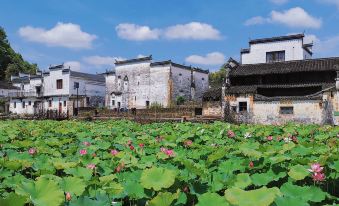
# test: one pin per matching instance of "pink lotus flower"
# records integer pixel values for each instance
(91, 166)
(68, 196)
(87, 144)
(131, 147)
(251, 164)
(159, 139)
(162, 149)
(83, 152)
(318, 177)
(269, 138)
(294, 139)
(141, 145)
(129, 142)
(114, 152)
(188, 143)
(230, 134)
(31, 151)
(315, 168)
(170, 153)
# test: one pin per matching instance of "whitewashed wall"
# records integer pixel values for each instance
(50, 85)
(201, 83)
(293, 51)
(181, 83)
(19, 109)
(159, 85)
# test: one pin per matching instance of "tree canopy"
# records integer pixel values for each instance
(11, 63)
(216, 78)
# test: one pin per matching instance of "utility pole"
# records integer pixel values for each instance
(76, 86)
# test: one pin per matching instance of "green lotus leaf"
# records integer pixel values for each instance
(261, 179)
(157, 178)
(114, 188)
(87, 201)
(163, 199)
(134, 190)
(289, 201)
(107, 178)
(242, 180)
(60, 164)
(306, 193)
(80, 172)
(43, 192)
(73, 185)
(278, 159)
(259, 197)
(13, 200)
(298, 172)
(208, 199)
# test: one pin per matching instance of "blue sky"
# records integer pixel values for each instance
(89, 35)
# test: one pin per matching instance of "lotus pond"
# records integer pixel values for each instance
(50, 163)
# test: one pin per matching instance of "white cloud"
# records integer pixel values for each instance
(61, 35)
(73, 65)
(279, 2)
(294, 17)
(193, 30)
(255, 21)
(335, 2)
(136, 33)
(214, 58)
(141, 56)
(101, 60)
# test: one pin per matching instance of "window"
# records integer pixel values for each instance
(65, 103)
(135, 98)
(147, 104)
(242, 106)
(203, 79)
(29, 103)
(286, 110)
(59, 83)
(277, 56)
(180, 74)
(23, 104)
(87, 100)
(49, 103)
(113, 102)
(14, 105)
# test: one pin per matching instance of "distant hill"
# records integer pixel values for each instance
(10, 61)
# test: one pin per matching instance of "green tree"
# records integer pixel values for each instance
(11, 63)
(216, 78)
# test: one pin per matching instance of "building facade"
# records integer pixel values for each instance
(59, 89)
(5, 89)
(141, 83)
(267, 90)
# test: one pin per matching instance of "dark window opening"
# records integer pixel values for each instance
(180, 74)
(87, 100)
(135, 98)
(59, 83)
(14, 105)
(203, 79)
(119, 104)
(242, 106)
(23, 104)
(286, 110)
(287, 92)
(49, 103)
(65, 103)
(138, 83)
(29, 103)
(113, 102)
(276, 56)
(233, 108)
(147, 104)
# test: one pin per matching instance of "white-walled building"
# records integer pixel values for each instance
(5, 89)
(56, 90)
(276, 49)
(140, 83)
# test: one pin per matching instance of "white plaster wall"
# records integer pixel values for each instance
(293, 51)
(28, 109)
(159, 85)
(181, 84)
(50, 85)
(4, 92)
(201, 84)
(304, 111)
(55, 103)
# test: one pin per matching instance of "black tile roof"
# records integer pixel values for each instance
(243, 51)
(213, 94)
(91, 77)
(279, 38)
(6, 85)
(258, 97)
(169, 62)
(323, 64)
(148, 58)
(24, 80)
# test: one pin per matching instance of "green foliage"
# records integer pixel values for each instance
(11, 63)
(180, 100)
(217, 78)
(161, 168)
